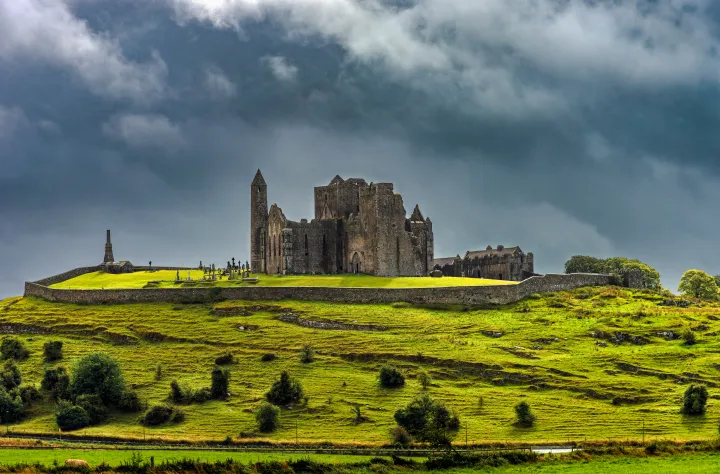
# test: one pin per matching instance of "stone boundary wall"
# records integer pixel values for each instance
(471, 295)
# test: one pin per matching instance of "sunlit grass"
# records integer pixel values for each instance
(545, 355)
(167, 279)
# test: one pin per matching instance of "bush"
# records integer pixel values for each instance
(424, 379)
(11, 407)
(400, 436)
(220, 382)
(93, 406)
(285, 391)
(390, 377)
(52, 351)
(185, 394)
(99, 374)
(694, 400)
(159, 414)
(130, 402)
(267, 417)
(224, 359)
(523, 414)
(689, 337)
(584, 264)
(307, 354)
(71, 417)
(10, 376)
(268, 357)
(57, 382)
(28, 394)
(13, 348)
(428, 420)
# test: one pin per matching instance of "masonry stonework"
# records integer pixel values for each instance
(358, 228)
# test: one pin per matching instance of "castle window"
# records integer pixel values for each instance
(500, 277)
(307, 252)
(324, 247)
(397, 253)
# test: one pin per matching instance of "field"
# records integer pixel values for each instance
(593, 363)
(166, 279)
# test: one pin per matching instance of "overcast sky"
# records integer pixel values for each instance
(565, 127)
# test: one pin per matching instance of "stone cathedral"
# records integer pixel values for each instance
(358, 228)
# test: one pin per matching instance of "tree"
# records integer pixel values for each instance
(13, 348)
(52, 351)
(523, 414)
(11, 407)
(584, 264)
(424, 379)
(267, 417)
(428, 420)
(93, 406)
(284, 391)
(57, 382)
(698, 284)
(390, 377)
(10, 376)
(220, 382)
(71, 417)
(694, 400)
(99, 374)
(307, 354)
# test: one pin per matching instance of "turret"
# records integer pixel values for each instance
(258, 222)
(108, 250)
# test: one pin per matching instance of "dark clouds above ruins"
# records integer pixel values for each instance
(562, 127)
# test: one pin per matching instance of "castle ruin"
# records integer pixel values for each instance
(501, 263)
(358, 228)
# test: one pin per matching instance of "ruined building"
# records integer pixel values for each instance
(110, 265)
(501, 263)
(358, 228)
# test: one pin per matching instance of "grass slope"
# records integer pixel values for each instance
(545, 355)
(166, 279)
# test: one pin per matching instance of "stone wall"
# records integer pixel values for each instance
(470, 295)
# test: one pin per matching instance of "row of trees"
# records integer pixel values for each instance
(619, 267)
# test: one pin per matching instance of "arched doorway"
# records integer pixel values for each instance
(356, 263)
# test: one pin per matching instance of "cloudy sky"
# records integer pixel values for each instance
(563, 126)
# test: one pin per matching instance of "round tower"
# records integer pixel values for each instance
(258, 222)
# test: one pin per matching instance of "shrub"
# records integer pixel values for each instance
(11, 407)
(268, 357)
(130, 402)
(220, 382)
(689, 337)
(694, 400)
(399, 436)
(284, 391)
(584, 264)
(10, 376)
(99, 374)
(267, 417)
(159, 414)
(52, 351)
(424, 379)
(185, 394)
(93, 406)
(28, 394)
(57, 382)
(13, 348)
(390, 377)
(307, 354)
(428, 420)
(224, 359)
(71, 417)
(523, 414)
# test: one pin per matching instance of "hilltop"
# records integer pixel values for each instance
(593, 363)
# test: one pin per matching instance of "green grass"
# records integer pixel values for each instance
(166, 279)
(545, 356)
(115, 457)
(679, 464)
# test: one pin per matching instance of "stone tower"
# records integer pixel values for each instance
(258, 222)
(108, 250)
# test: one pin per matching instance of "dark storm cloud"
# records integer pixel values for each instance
(563, 127)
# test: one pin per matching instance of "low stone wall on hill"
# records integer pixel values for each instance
(470, 295)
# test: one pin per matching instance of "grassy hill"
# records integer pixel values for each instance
(166, 279)
(593, 363)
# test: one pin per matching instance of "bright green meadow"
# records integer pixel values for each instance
(482, 362)
(167, 279)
